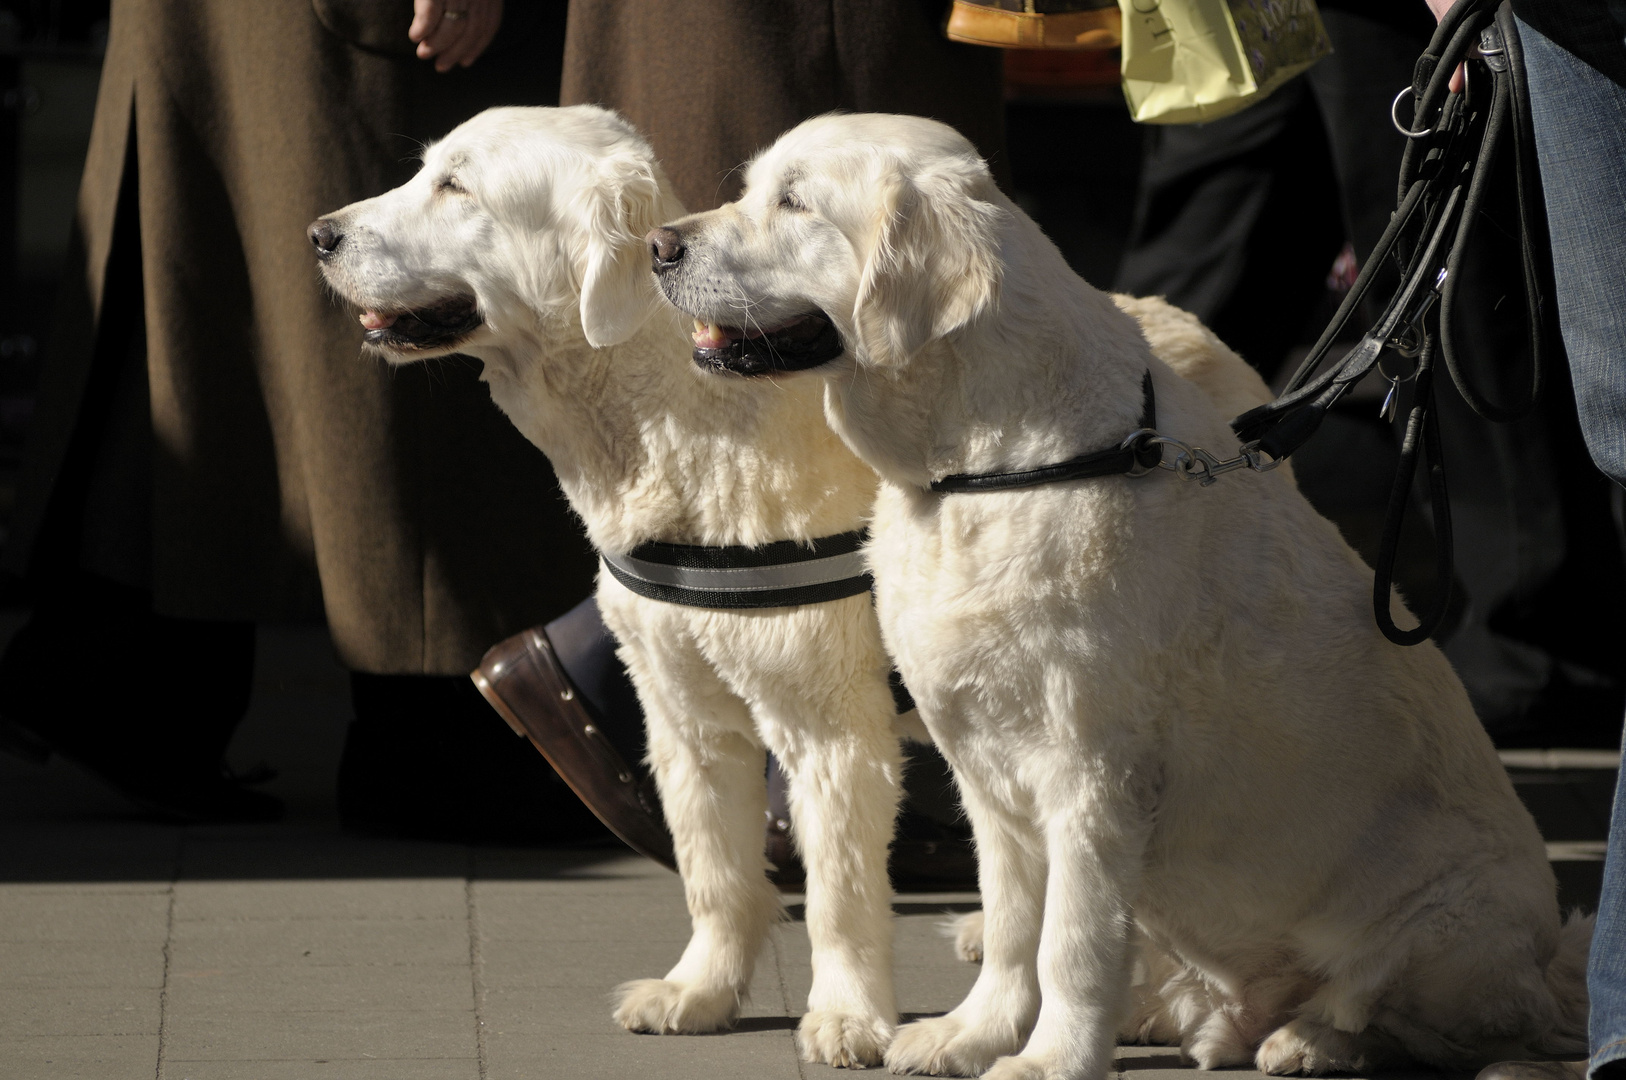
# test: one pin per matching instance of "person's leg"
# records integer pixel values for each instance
(1580, 128)
(1578, 103)
(1237, 222)
(144, 701)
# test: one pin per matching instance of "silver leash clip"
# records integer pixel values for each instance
(1195, 463)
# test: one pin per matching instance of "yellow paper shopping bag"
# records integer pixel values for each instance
(1186, 61)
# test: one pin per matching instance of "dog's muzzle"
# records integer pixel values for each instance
(809, 341)
(798, 344)
(437, 326)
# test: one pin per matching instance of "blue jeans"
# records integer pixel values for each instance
(1580, 127)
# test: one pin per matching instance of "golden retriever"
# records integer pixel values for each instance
(1166, 704)
(520, 242)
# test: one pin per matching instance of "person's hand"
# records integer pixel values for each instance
(454, 32)
(1439, 8)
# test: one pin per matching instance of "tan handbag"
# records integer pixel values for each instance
(1035, 24)
(1184, 61)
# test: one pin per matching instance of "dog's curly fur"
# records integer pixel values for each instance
(1166, 705)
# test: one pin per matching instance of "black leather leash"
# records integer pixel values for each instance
(1455, 144)
(1135, 454)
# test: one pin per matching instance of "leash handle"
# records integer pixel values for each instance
(1454, 143)
(1422, 440)
(1507, 116)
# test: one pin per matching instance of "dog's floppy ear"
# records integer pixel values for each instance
(617, 288)
(933, 264)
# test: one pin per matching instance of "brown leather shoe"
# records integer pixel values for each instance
(1534, 1070)
(524, 681)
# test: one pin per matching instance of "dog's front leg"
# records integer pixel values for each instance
(844, 796)
(1095, 849)
(715, 798)
(997, 1014)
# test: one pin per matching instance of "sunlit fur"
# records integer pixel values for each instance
(541, 214)
(1167, 706)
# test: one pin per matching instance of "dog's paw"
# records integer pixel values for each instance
(966, 933)
(1018, 1067)
(944, 1046)
(667, 1008)
(845, 1040)
(1300, 1048)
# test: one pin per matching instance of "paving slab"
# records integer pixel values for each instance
(31, 966)
(71, 1011)
(79, 1057)
(357, 1068)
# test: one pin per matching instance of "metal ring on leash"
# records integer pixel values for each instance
(1394, 116)
(1397, 379)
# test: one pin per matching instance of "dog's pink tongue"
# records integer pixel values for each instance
(708, 335)
(372, 320)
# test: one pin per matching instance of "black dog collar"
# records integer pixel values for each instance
(1133, 455)
(780, 574)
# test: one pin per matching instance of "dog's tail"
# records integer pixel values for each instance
(1566, 979)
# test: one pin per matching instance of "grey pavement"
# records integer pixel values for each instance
(130, 949)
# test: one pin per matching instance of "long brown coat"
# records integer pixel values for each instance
(282, 457)
(711, 82)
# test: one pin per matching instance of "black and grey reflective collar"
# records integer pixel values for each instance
(1133, 455)
(780, 574)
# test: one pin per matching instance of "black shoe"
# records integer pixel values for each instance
(427, 759)
(143, 702)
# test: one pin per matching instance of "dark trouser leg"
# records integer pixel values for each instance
(1237, 222)
(145, 701)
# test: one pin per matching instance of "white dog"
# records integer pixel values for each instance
(1165, 704)
(521, 242)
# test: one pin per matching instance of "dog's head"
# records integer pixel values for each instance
(861, 236)
(517, 214)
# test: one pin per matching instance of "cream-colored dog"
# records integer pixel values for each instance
(521, 242)
(1166, 705)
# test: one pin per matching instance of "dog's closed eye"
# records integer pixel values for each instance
(790, 201)
(450, 185)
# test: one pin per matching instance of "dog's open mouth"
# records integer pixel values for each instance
(795, 345)
(434, 327)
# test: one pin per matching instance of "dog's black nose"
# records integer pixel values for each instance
(324, 237)
(665, 247)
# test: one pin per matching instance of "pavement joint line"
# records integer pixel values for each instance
(477, 983)
(784, 995)
(163, 986)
